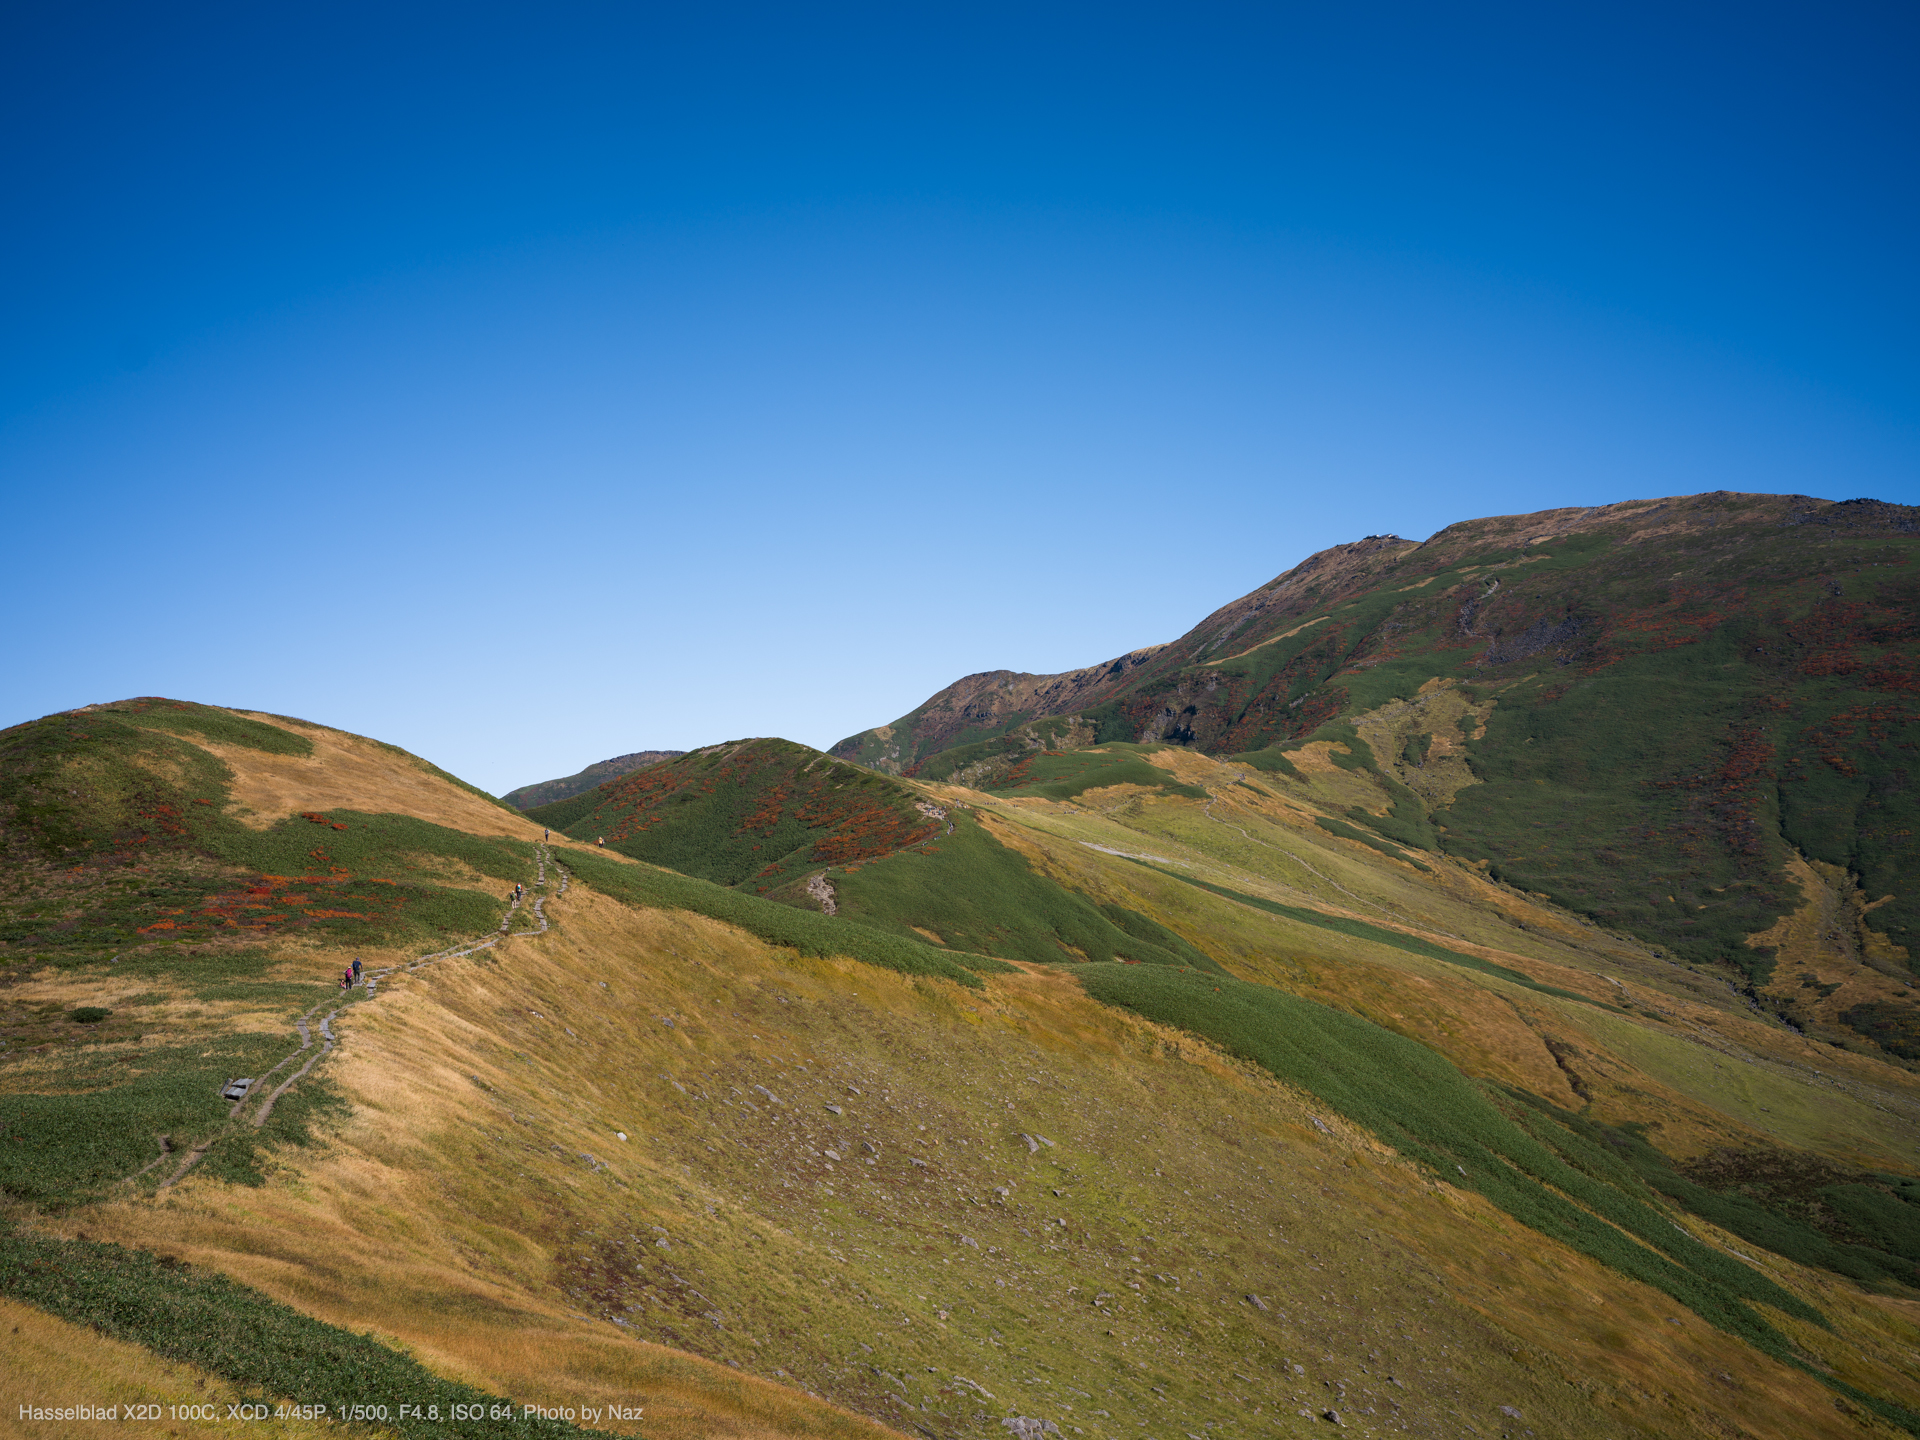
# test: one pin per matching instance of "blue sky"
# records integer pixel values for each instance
(529, 384)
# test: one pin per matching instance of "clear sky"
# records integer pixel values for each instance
(527, 384)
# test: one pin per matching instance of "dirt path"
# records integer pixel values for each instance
(251, 1109)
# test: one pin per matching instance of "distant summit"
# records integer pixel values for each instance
(548, 792)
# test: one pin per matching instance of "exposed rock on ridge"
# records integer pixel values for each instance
(976, 707)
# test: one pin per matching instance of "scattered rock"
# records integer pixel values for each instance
(620, 1134)
(835, 1108)
(921, 1163)
(1332, 1415)
(768, 1093)
(1027, 1428)
(1510, 1412)
(1258, 1303)
(1033, 1145)
(831, 1154)
(969, 1240)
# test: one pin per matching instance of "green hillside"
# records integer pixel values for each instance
(1644, 711)
(550, 792)
(778, 819)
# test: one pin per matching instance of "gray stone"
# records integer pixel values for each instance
(1258, 1303)
(1510, 1412)
(835, 1109)
(1027, 1428)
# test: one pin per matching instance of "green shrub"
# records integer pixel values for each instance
(266, 1349)
(977, 894)
(1271, 760)
(1379, 935)
(805, 931)
(1347, 832)
(223, 727)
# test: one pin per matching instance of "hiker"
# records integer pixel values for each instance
(546, 834)
(346, 980)
(601, 841)
(356, 969)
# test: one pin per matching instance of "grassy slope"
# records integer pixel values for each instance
(476, 1168)
(551, 792)
(753, 813)
(1665, 705)
(1185, 1184)
(766, 816)
(82, 1105)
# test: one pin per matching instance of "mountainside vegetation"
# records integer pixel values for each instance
(547, 792)
(1649, 712)
(1337, 1069)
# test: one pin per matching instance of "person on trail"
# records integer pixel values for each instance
(356, 969)
(601, 841)
(546, 834)
(346, 980)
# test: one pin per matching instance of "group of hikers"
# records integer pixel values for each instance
(350, 977)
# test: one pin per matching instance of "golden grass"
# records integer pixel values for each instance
(348, 772)
(1829, 956)
(454, 1215)
(51, 1363)
(479, 1210)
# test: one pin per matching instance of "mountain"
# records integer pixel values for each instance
(1664, 715)
(1118, 1086)
(548, 791)
(980, 707)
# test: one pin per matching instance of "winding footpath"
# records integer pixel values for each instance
(249, 1108)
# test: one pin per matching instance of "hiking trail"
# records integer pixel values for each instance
(251, 1100)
